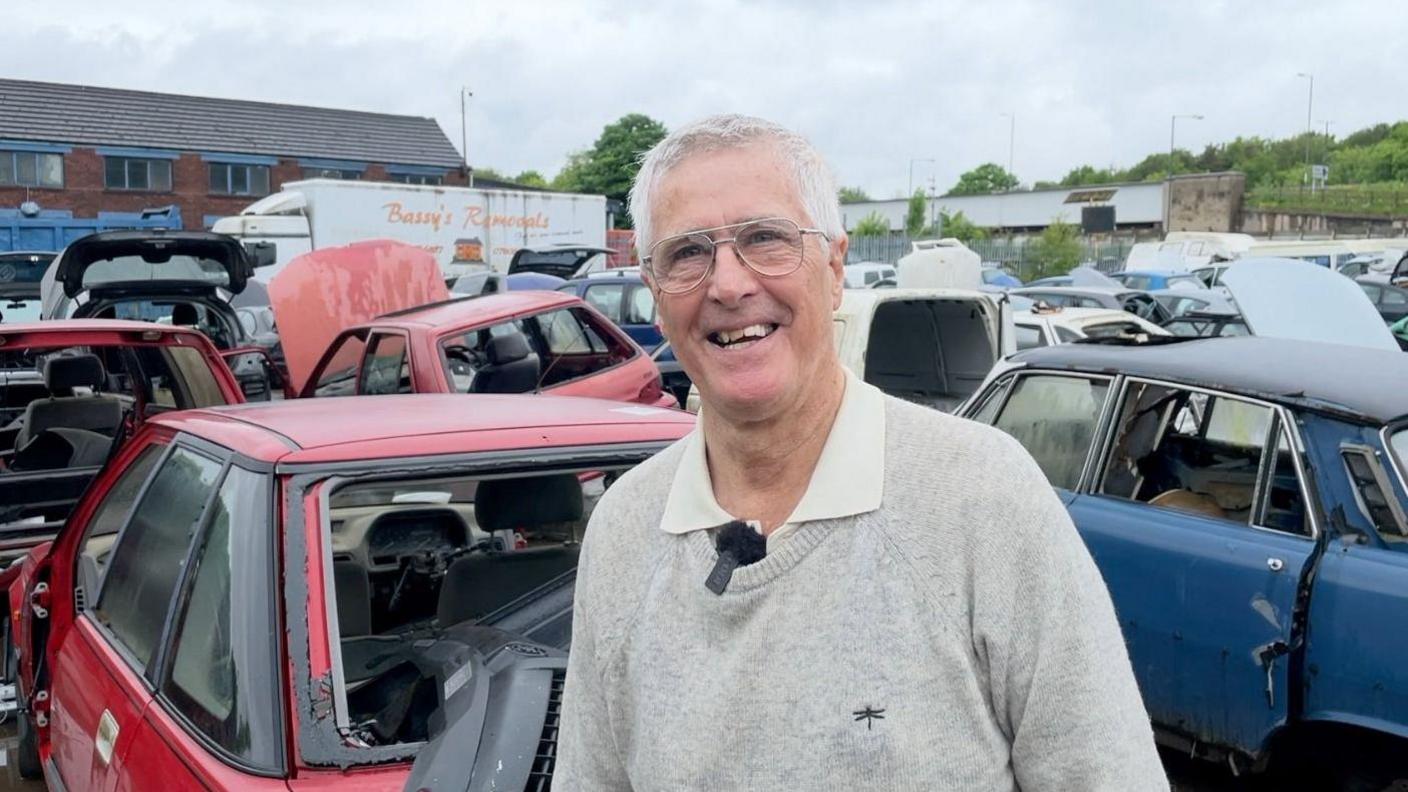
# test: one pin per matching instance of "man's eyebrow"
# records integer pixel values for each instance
(749, 219)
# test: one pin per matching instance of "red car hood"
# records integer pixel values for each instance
(321, 293)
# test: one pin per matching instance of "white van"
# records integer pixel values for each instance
(1330, 253)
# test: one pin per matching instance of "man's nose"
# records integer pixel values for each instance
(731, 279)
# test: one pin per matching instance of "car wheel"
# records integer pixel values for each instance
(27, 752)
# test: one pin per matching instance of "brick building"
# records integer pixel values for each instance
(74, 159)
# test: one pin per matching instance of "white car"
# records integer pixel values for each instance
(865, 274)
(1046, 326)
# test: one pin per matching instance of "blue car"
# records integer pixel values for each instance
(1151, 280)
(622, 295)
(1244, 499)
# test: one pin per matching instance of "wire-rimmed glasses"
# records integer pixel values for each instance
(772, 247)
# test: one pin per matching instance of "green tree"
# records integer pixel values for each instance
(610, 165)
(914, 216)
(489, 173)
(959, 227)
(1057, 251)
(983, 180)
(531, 178)
(852, 195)
(872, 225)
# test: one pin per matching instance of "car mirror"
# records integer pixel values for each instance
(261, 254)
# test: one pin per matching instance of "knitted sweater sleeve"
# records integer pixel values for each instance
(588, 757)
(1060, 680)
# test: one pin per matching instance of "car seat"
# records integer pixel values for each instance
(512, 366)
(66, 410)
(482, 582)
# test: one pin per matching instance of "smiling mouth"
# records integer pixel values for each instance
(743, 337)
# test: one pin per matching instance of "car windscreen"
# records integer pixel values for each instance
(132, 269)
(1188, 282)
(18, 308)
(16, 268)
(1399, 442)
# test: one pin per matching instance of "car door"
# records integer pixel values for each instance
(129, 564)
(1197, 517)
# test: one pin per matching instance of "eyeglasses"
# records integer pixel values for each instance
(771, 247)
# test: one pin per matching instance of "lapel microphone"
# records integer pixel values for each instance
(738, 545)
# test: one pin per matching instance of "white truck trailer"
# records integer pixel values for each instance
(466, 229)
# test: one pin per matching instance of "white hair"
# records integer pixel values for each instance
(816, 186)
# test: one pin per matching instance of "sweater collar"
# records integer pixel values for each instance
(848, 478)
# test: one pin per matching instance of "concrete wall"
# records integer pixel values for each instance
(1205, 202)
(1295, 225)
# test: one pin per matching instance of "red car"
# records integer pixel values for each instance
(511, 342)
(316, 594)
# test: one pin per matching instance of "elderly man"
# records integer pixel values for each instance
(924, 616)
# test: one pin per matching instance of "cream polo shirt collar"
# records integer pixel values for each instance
(848, 479)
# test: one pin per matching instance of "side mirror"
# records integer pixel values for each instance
(262, 254)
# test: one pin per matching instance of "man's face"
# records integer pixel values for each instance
(757, 379)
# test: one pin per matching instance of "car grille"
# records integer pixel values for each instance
(540, 776)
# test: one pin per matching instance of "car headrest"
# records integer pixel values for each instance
(63, 374)
(507, 348)
(528, 502)
(184, 315)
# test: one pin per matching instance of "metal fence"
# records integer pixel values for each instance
(1379, 200)
(1015, 255)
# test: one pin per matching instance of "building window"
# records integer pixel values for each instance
(31, 169)
(415, 178)
(331, 173)
(126, 173)
(230, 179)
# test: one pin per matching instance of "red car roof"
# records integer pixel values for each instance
(475, 310)
(374, 427)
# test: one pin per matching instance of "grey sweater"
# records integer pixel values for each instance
(959, 637)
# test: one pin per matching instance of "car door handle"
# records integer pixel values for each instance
(106, 738)
(1275, 564)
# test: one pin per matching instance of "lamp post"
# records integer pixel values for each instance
(465, 94)
(1011, 138)
(1309, 106)
(911, 172)
(1173, 125)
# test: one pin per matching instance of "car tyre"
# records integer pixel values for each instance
(27, 752)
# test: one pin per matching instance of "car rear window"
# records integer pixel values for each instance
(128, 269)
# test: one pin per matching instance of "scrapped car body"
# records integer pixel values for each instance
(1248, 519)
(1290, 298)
(72, 390)
(1045, 326)
(514, 342)
(622, 296)
(1158, 280)
(308, 594)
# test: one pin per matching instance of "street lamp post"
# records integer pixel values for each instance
(1309, 106)
(465, 93)
(1172, 125)
(911, 172)
(1011, 138)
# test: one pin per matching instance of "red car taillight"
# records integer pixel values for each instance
(651, 392)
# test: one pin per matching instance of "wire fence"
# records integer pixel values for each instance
(1019, 256)
(1379, 200)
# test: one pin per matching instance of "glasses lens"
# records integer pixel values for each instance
(772, 247)
(679, 263)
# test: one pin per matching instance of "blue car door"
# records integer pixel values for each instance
(1196, 518)
(1358, 625)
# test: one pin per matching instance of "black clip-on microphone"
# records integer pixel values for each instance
(738, 545)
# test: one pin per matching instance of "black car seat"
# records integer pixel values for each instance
(512, 366)
(482, 582)
(66, 410)
(184, 315)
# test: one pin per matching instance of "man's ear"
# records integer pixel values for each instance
(838, 268)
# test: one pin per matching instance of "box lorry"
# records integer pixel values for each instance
(466, 229)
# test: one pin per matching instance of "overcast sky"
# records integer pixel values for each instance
(873, 83)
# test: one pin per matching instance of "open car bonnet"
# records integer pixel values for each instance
(563, 261)
(1289, 298)
(147, 260)
(320, 294)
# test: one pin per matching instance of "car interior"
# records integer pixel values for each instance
(1205, 454)
(412, 559)
(941, 375)
(535, 351)
(62, 408)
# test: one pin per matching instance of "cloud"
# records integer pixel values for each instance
(873, 84)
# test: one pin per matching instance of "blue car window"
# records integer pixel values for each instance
(607, 298)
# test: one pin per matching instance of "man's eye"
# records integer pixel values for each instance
(762, 236)
(686, 252)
